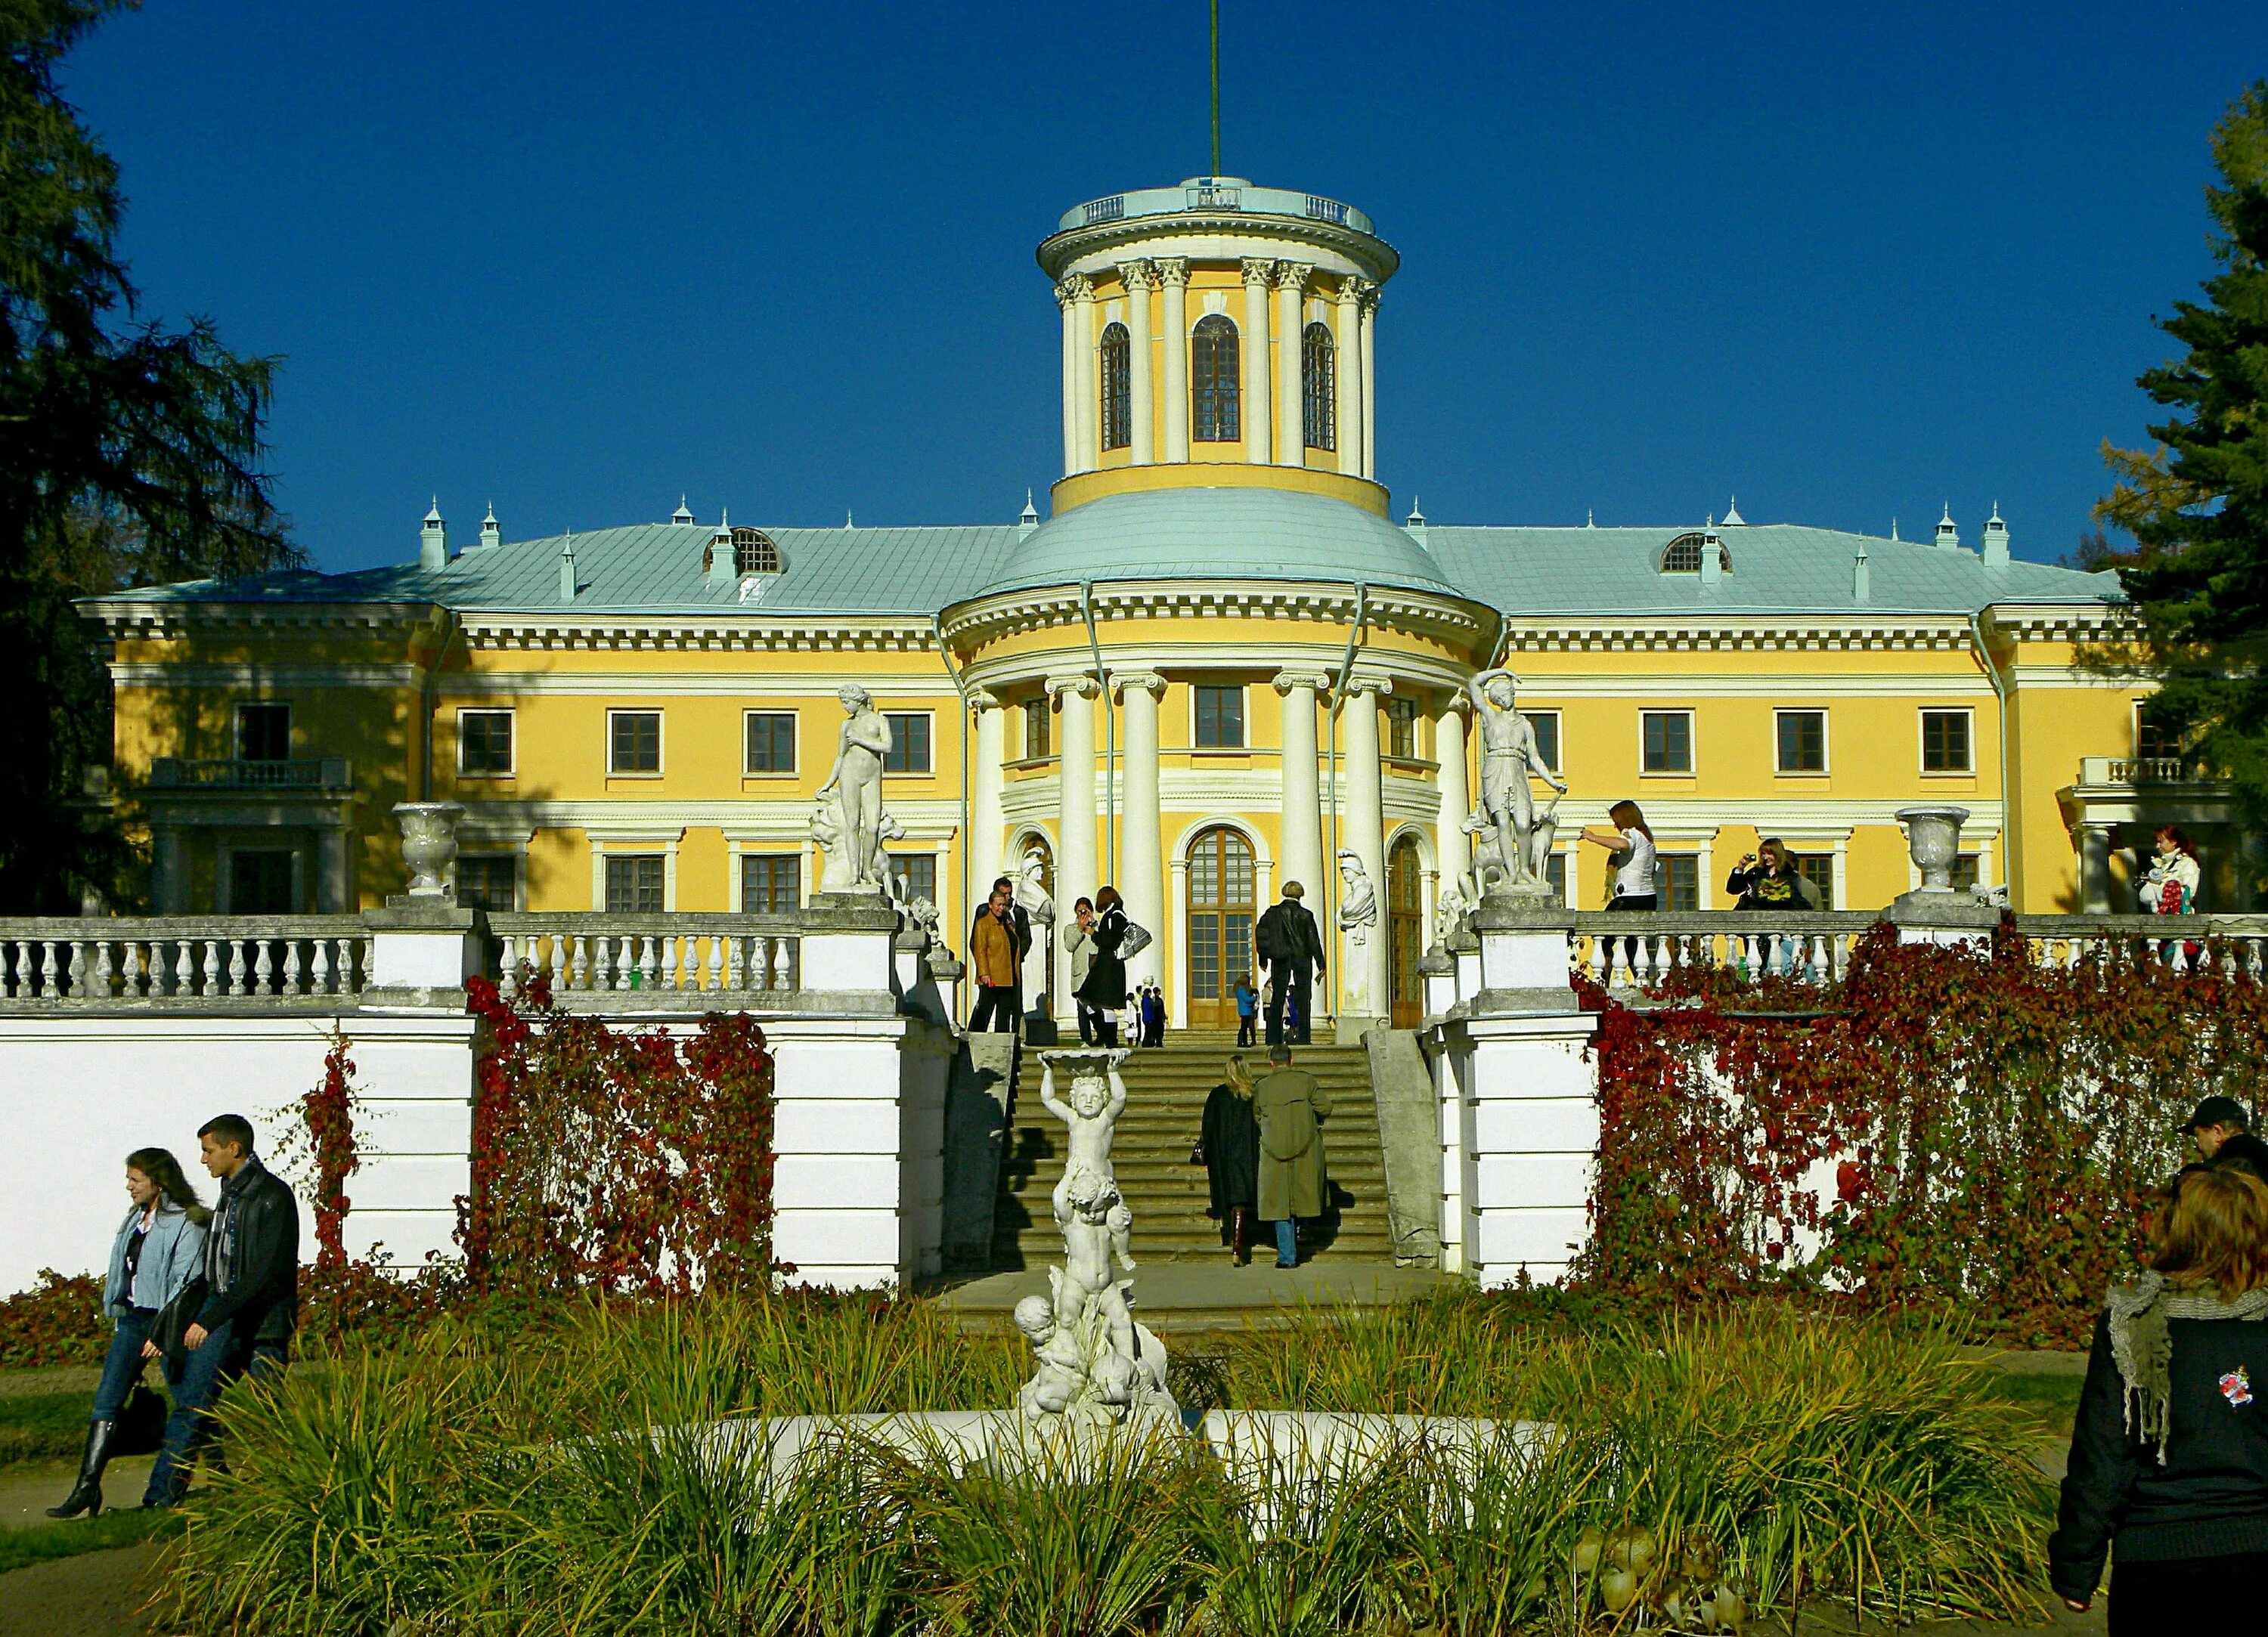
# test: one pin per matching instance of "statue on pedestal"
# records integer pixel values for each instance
(1097, 1366)
(855, 782)
(1358, 920)
(1509, 755)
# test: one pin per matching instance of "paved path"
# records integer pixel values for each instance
(94, 1595)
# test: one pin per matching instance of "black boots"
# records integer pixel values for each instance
(86, 1494)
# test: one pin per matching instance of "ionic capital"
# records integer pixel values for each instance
(1074, 287)
(1172, 269)
(1355, 686)
(1138, 275)
(1314, 681)
(1259, 270)
(1147, 681)
(983, 698)
(1084, 686)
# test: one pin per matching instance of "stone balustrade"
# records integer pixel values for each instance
(748, 960)
(221, 959)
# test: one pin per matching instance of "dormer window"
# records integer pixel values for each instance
(754, 552)
(1683, 556)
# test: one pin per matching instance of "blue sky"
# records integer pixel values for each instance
(578, 257)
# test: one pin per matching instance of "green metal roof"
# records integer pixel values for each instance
(1213, 194)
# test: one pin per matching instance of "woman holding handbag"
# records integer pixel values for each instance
(1105, 988)
(156, 1254)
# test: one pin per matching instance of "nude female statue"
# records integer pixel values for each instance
(1508, 755)
(856, 782)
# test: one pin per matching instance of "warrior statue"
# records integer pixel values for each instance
(1509, 754)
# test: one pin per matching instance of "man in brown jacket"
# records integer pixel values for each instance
(994, 957)
(1290, 1106)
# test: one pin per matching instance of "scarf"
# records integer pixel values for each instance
(2143, 1347)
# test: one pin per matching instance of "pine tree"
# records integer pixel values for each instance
(128, 453)
(2198, 505)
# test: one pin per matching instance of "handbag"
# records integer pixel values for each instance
(173, 1325)
(141, 1423)
(1136, 939)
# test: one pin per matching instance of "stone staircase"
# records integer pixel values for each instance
(1166, 1090)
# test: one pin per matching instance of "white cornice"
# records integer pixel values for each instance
(146, 673)
(984, 620)
(741, 684)
(125, 620)
(631, 629)
(927, 818)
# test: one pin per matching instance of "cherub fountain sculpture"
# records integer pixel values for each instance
(1098, 1366)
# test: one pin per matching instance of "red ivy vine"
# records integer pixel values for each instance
(629, 1161)
(1948, 1124)
(322, 1138)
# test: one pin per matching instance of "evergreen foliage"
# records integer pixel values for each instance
(2198, 505)
(129, 454)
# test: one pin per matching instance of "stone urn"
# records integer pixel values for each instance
(1933, 840)
(429, 844)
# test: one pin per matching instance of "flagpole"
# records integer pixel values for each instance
(1216, 87)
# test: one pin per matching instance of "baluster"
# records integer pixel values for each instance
(263, 965)
(603, 957)
(581, 967)
(715, 979)
(104, 972)
(81, 971)
(652, 961)
(508, 973)
(185, 967)
(559, 971)
(319, 977)
(674, 963)
(151, 979)
(50, 984)
(290, 965)
(236, 968)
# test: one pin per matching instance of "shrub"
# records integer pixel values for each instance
(58, 1321)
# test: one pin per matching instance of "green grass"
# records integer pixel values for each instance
(2054, 1398)
(43, 1543)
(43, 1427)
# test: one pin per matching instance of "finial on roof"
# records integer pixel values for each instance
(1996, 540)
(1862, 587)
(1948, 531)
(491, 531)
(846, 518)
(1030, 519)
(1414, 525)
(683, 516)
(1590, 518)
(1893, 525)
(567, 567)
(433, 512)
(1732, 517)
(433, 539)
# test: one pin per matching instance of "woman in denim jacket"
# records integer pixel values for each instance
(159, 1247)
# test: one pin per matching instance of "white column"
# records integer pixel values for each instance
(1291, 425)
(1088, 455)
(1365, 823)
(1069, 378)
(1177, 971)
(1258, 387)
(1347, 375)
(1451, 845)
(984, 820)
(1303, 811)
(1075, 865)
(1140, 279)
(1141, 864)
(1370, 382)
(1173, 278)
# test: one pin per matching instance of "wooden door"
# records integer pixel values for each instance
(1220, 926)
(1405, 936)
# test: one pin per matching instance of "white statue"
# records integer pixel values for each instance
(886, 830)
(856, 783)
(1034, 898)
(1509, 754)
(1097, 1367)
(1488, 870)
(1450, 910)
(1357, 916)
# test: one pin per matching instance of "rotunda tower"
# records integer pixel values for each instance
(1217, 335)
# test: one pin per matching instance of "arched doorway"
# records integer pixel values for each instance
(1220, 925)
(1405, 936)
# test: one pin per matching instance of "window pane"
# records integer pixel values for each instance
(1402, 728)
(1681, 881)
(771, 884)
(1945, 741)
(484, 742)
(1213, 374)
(1220, 717)
(1964, 871)
(1035, 730)
(1117, 414)
(918, 872)
(1803, 741)
(1546, 723)
(487, 880)
(263, 733)
(1669, 741)
(1819, 869)
(634, 884)
(1554, 871)
(909, 743)
(259, 884)
(636, 741)
(1318, 396)
(771, 741)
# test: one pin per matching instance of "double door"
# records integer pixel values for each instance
(1219, 942)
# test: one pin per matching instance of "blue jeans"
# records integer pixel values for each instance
(208, 1374)
(122, 1368)
(1287, 1244)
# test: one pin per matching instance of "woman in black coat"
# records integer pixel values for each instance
(1105, 988)
(2168, 1469)
(1228, 1147)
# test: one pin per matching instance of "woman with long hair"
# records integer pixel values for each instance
(1105, 988)
(1228, 1147)
(2169, 887)
(2169, 1468)
(1629, 846)
(158, 1250)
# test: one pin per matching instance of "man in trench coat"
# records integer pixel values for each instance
(1290, 1106)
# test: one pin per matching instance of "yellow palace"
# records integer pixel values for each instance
(1216, 664)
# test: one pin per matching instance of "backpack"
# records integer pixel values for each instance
(1269, 938)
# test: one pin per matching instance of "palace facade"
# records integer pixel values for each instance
(1219, 662)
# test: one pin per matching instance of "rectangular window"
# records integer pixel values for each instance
(771, 884)
(909, 742)
(634, 884)
(1964, 871)
(1402, 728)
(918, 873)
(1666, 738)
(484, 744)
(487, 881)
(1036, 726)
(1554, 871)
(634, 741)
(1802, 736)
(771, 741)
(1681, 880)
(1546, 723)
(263, 732)
(1819, 869)
(260, 883)
(2152, 742)
(1220, 717)
(1945, 742)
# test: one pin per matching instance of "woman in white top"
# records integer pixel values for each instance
(1632, 844)
(2170, 887)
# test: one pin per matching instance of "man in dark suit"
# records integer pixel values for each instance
(1288, 940)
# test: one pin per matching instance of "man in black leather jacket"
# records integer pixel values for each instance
(1287, 940)
(247, 1299)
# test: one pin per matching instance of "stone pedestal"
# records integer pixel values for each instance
(1523, 952)
(846, 947)
(421, 952)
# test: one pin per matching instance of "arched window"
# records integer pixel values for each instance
(1683, 556)
(1318, 364)
(1213, 367)
(1117, 392)
(754, 552)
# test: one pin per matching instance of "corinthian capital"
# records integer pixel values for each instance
(1137, 274)
(1369, 293)
(1294, 276)
(1172, 269)
(1259, 270)
(1353, 290)
(1074, 287)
